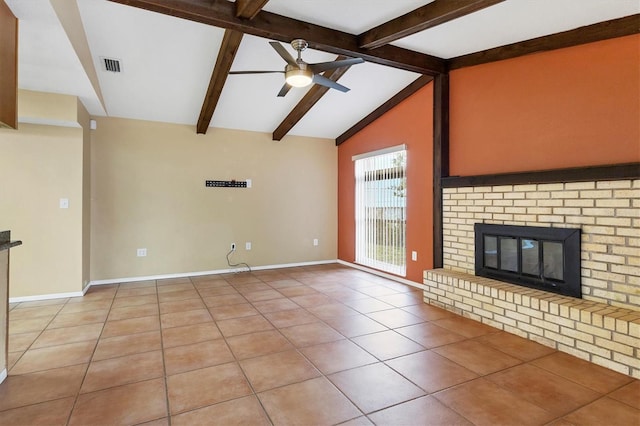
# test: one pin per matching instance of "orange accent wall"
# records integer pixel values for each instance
(572, 107)
(411, 123)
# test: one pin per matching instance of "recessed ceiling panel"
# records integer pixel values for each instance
(513, 21)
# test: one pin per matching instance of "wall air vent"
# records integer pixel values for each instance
(111, 64)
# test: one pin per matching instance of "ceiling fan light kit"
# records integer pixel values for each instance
(298, 77)
(298, 73)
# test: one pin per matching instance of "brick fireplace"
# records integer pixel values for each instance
(602, 327)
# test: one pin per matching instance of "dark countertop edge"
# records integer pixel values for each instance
(6, 245)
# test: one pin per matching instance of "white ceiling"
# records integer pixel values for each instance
(167, 62)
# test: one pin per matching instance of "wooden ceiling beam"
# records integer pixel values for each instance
(425, 17)
(248, 9)
(440, 160)
(588, 34)
(412, 88)
(228, 49)
(314, 94)
(221, 13)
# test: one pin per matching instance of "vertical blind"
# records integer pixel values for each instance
(381, 209)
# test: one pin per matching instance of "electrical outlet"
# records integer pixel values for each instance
(233, 246)
(247, 245)
(142, 252)
(315, 241)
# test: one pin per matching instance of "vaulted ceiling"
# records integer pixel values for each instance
(175, 55)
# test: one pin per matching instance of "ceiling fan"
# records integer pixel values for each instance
(298, 73)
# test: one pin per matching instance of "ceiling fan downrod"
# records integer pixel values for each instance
(299, 45)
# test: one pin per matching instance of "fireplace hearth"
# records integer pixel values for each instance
(604, 326)
(544, 258)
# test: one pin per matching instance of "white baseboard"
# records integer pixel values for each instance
(157, 277)
(294, 265)
(3, 375)
(160, 277)
(382, 274)
(47, 296)
(212, 272)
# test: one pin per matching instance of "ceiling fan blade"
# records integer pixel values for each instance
(324, 66)
(283, 53)
(256, 72)
(285, 89)
(324, 81)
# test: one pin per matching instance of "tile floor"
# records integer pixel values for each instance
(307, 346)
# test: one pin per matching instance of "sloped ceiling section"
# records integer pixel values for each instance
(513, 21)
(47, 60)
(167, 61)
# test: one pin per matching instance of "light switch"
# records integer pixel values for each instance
(248, 183)
(64, 203)
(414, 255)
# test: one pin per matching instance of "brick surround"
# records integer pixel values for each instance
(600, 333)
(608, 212)
(604, 326)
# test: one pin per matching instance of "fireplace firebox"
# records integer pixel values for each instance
(537, 257)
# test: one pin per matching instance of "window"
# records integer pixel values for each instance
(381, 201)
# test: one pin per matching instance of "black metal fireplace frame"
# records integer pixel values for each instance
(570, 285)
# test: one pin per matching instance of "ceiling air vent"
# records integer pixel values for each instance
(111, 64)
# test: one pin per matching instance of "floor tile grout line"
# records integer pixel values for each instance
(297, 349)
(84, 376)
(435, 396)
(30, 347)
(34, 340)
(506, 389)
(165, 377)
(553, 419)
(473, 338)
(569, 378)
(288, 340)
(235, 361)
(608, 395)
(106, 359)
(41, 371)
(379, 361)
(530, 401)
(521, 362)
(294, 347)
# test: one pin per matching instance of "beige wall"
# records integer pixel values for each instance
(49, 108)
(42, 163)
(134, 184)
(85, 121)
(148, 192)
